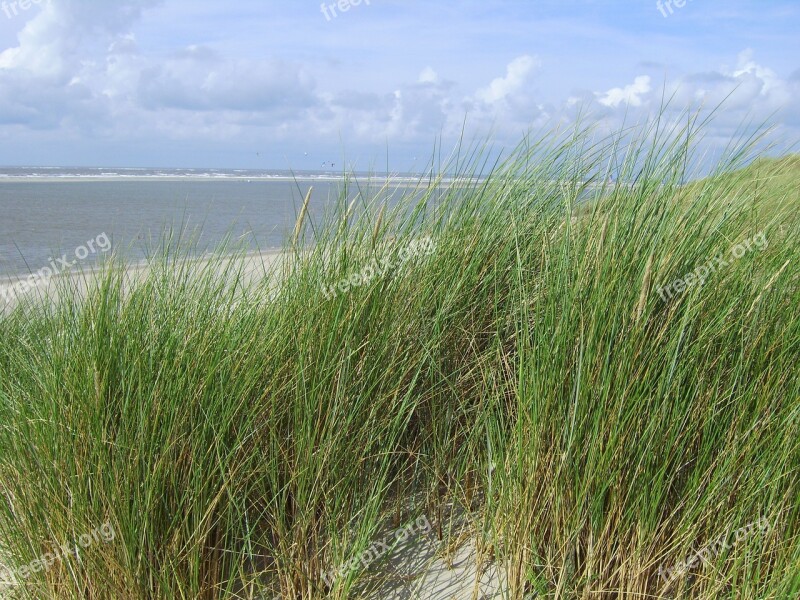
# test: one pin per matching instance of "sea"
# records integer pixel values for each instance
(48, 212)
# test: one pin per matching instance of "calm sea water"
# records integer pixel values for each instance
(42, 220)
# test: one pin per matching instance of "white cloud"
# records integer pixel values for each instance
(65, 33)
(516, 76)
(748, 67)
(428, 75)
(631, 94)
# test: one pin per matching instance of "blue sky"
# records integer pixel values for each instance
(277, 84)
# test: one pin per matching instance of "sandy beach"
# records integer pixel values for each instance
(255, 267)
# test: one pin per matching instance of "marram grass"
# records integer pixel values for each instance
(241, 440)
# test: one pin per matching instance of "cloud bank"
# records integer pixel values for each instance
(78, 72)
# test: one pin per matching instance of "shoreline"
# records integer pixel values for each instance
(255, 265)
(138, 265)
(378, 179)
(157, 178)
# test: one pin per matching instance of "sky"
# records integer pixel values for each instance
(279, 84)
